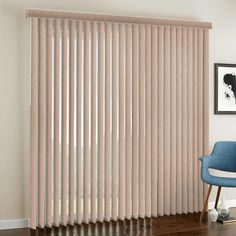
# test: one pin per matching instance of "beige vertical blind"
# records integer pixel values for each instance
(119, 116)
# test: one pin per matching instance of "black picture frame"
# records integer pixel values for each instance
(217, 66)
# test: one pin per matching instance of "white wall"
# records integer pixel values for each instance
(15, 81)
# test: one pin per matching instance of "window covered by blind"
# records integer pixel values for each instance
(119, 116)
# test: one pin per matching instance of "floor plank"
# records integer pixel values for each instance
(186, 225)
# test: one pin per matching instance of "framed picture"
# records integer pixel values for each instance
(225, 88)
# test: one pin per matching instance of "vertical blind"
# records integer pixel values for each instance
(119, 116)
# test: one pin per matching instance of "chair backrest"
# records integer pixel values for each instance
(226, 151)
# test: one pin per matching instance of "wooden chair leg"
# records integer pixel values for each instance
(205, 204)
(217, 197)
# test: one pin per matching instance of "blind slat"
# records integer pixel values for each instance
(79, 121)
(205, 97)
(33, 121)
(64, 123)
(179, 121)
(56, 180)
(121, 122)
(190, 118)
(71, 122)
(148, 123)
(154, 115)
(100, 121)
(142, 116)
(128, 121)
(195, 119)
(49, 125)
(42, 121)
(166, 137)
(107, 120)
(160, 120)
(93, 123)
(135, 120)
(114, 121)
(184, 124)
(173, 120)
(200, 110)
(86, 122)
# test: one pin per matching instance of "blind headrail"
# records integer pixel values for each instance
(114, 18)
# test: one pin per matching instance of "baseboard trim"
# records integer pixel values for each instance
(14, 224)
(230, 203)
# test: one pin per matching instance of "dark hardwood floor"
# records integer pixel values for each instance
(187, 225)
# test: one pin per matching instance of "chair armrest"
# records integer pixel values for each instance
(219, 163)
(205, 159)
(205, 164)
(215, 162)
(211, 161)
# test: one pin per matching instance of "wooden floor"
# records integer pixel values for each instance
(168, 225)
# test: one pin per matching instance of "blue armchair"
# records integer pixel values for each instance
(223, 157)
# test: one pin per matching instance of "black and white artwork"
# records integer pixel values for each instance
(225, 88)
